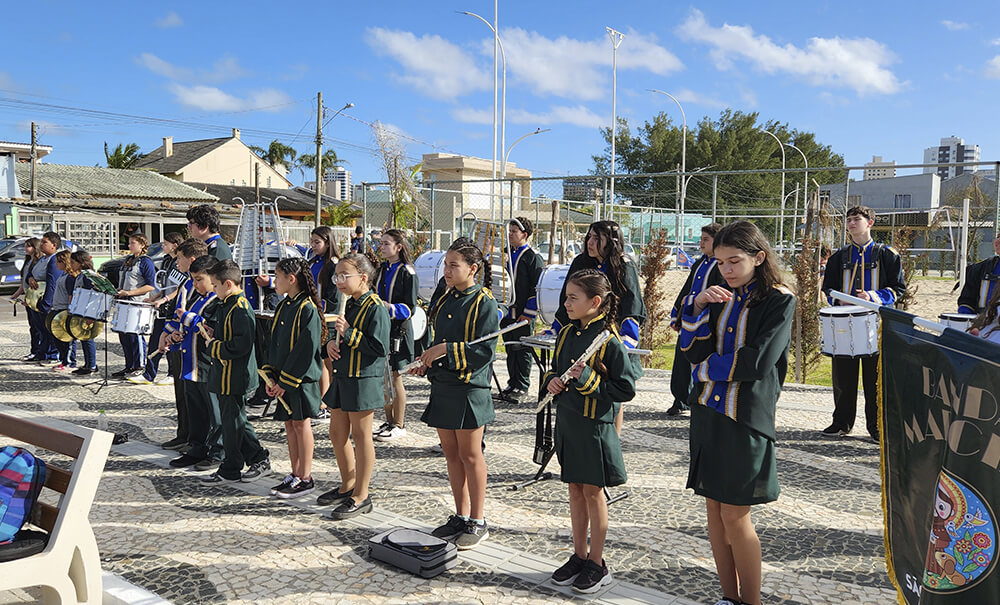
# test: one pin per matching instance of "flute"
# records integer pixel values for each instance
(592, 350)
(270, 384)
(340, 313)
(416, 363)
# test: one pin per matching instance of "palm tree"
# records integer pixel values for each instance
(122, 157)
(330, 160)
(343, 214)
(276, 153)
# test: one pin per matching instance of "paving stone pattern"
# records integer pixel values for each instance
(160, 529)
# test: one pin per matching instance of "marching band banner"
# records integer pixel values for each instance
(940, 459)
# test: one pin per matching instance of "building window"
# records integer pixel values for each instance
(903, 200)
(269, 182)
(853, 200)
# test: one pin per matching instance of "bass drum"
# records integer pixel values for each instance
(419, 321)
(429, 268)
(550, 285)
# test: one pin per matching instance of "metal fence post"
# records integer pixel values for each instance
(364, 206)
(715, 195)
(433, 202)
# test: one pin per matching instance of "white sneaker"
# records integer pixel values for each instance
(385, 427)
(391, 434)
(164, 380)
(140, 379)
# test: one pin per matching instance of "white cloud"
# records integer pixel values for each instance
(993, 68)
(689, 96)
(171, 19)
(210, 98)
(433, 65)
(954, 25)
(995, 42)
(44, 128)
(162, 68)
(748, 97)
(578, 69)
(859, 64)
(577, 116)
(224, 69)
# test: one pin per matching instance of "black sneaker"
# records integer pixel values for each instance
(334, 496)
(206, 464)
(284, 483)
(834, 431)
(348, 508)
(185, 461)
(512, 394)
(451, 528)
(256, 471)
(592, 577)
(569, 571)
(174, 444)
(385, 427)
(216, 478)
(298, 488)
(473, 534)
(84, 371)
(120, 373)
(676, 410)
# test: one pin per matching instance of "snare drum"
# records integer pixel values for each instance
(419, 323)
(91, 304)
(133, 317)
(849, 331)
(429, 268)
(959, 321)
(547, 292)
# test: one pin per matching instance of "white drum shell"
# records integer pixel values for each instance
(429, 268)
(419, 323)
(549, 288)
(132, 317)
(957, 321)
(91, 304)
(503, 289)
(849, 331)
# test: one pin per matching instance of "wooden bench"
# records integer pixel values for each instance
(69, 569)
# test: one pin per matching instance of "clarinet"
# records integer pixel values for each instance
(417, 362)
(592, 350)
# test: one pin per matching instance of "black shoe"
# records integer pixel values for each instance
(334, 496)
(31, 358)
(216, 478)
(569, 571)
(184, 461)
(592, 577)
(174, 444)
(284, 483)
(512, 394)
(84, 371)
(451, 528)
(298, 488)
(207, 464)
(834, 431)
(120, 373)
(256, 471)
(676, 410)
(473, 535)
(348, 508)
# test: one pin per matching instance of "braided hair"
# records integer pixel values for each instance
(472, 255)
(299, 269)
(594, 283)
(144, 241)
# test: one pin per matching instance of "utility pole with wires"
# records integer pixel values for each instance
(616, 40)
(34, 161)
(319, 156)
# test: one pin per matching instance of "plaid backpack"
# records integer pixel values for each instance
(21, 479)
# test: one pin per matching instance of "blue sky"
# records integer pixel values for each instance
(869, 78)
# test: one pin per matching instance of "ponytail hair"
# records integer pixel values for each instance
(362, 263)
(82, 257)
(594, 283)
(299, 269)
(472, 255)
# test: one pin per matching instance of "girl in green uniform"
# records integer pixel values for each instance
(295, 367)
(736, 337)
(460, 403)
(587, 444)
(358, 355)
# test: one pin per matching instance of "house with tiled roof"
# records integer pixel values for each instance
(221, 161)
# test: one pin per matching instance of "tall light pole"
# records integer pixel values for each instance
(679, 221)
(805, 184)
(319, 151)
(503, 102)
(781, 223)
(503, 167)
(616, 40)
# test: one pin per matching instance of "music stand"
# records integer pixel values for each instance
(104, 381)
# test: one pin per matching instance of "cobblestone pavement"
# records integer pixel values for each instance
(158, 528)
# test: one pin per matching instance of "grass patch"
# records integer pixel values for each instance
(819, 375)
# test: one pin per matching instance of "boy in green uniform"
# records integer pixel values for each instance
(234, 377)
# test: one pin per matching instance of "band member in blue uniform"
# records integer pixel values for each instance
(737, 337)
(980, 283)
(524, 266)
(704, 273)
(873, 272)
(396, 285)
(203, 224)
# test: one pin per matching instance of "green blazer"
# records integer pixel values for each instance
(293, 355)
(234, 367)
(365, 344)
(458, 317)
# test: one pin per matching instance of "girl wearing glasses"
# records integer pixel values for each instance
(358, 351)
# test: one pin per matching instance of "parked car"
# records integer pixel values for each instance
(112, 269)
(573, 249)
(12, 260)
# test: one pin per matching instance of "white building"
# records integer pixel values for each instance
(951, 149)
(878, 169)
(336, 183)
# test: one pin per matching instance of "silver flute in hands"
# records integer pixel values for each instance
(418, 362)
(592, 350)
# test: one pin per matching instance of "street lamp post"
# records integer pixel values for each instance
(319, 157)
(503, 168)
(616, 40)
(503, 106)
(781, 223)
(679, 221)
(805, 183)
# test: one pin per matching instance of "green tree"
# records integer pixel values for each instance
(276, 153)
(329, 160)
(343, 214)
(124, 156)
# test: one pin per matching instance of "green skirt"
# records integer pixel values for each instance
(588, 451)
(355, 394)
(302, 403)
(458, 407)
(730, 463)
